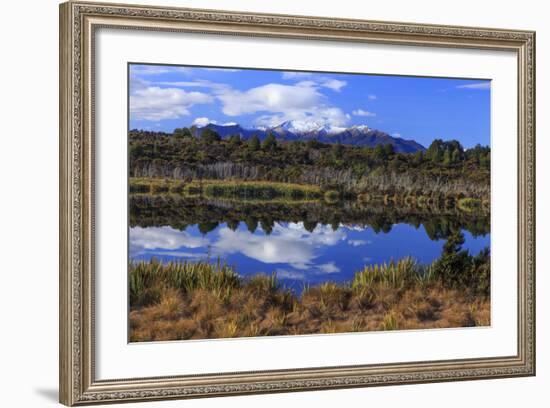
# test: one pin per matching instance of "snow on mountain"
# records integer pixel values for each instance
(357, 135)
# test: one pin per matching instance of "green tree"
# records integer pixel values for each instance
(182, 133)
(270, 143)
(379, 153)
(454, 263)
(418, 157)
(136, 150)
(207, 226)
(210, 136)
(456, 156)
(310, 225)
(389, 149)
(395, 164)
(313, 144)
(233, 225)
(337, 151)
(485, 161)
(235, 140)
(447, 157)
(251, 224)
(435, 151)
(267, 225)
(254, 143)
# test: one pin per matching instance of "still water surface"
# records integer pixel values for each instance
(299, 254)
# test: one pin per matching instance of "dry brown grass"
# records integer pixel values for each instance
(259, 307)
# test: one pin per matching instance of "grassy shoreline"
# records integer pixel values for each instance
(269, 191)
(177, 301)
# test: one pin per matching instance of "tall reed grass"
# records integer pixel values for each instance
(187, 277)
(180, 300)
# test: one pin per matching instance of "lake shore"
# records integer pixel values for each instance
(178, 301)
(269, 191)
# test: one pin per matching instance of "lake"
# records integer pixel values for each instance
(304, 244)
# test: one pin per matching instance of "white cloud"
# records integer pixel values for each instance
(479, 86)
(396, 134)
(291, 244)
(137, 83)
(334, 84)
(328, 268)
(372, 97)
(202, 121)
(270, 97)
(301, 102)
(155, 104)
(357, 242)
(353, 227)
(162, 238)
(361, 112)
(286, 274)
(189, 256)
(315, 79)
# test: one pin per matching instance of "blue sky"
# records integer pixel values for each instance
(423, 109)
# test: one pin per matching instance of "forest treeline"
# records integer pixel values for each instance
(444, 168)
(162, 210)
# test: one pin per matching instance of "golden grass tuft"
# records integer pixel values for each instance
(178, 301)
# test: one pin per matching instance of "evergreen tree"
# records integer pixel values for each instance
(210, 136)
(206, 227)
(233, 225)
(337, 151)
(454, 264)
(310, 225)
(456, 156)
(435, 151)
(235, 140)
(182, 133)
(447, 157)
(270, 143)
(379, 153)
(313, 144)
(485, 161)
(418, 157)
(388, 149)
(254, 143)
(251, 224)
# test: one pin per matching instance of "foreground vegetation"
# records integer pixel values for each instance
(202, 300)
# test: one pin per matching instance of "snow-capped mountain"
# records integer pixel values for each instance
(302, 127)
(358, 135)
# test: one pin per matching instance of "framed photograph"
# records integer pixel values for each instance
(256, 203)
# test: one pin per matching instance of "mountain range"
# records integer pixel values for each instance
(359, 135)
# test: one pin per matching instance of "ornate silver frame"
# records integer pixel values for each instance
(78, 22)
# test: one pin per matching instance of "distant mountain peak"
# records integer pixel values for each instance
(361, 127)
(302, 126)
(296, 130)
(206, 124)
